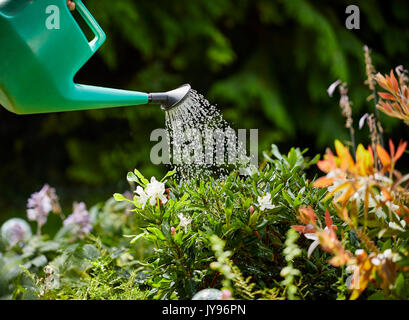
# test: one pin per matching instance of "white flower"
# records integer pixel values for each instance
(184, 222)
(381, 258)
(155, 190)
(358, 252)
(143, 197)
(380, 212)
(315, 243)
(388, 254)
(265, 202)
(400, 226)
(51, 279)
(249, 171)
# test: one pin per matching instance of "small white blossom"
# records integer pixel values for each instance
(153, 191)
(380, 212)
(399, 227)
(315, 243)
(358, 252)
(184, 222)
(362, 120)
(250, 170)
(142, 196)
(265, 202)
(375, 261)
(332, 87)
(51, 279)
(388, 254)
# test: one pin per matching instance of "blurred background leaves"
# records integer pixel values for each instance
(266, 64)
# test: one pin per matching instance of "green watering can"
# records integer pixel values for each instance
(38, 63)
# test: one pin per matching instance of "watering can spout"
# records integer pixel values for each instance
(92, 97)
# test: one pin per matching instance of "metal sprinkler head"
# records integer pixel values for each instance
(170, 99)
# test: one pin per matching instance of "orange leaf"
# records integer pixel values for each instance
(344, 197)
(385, 95)
(383, 156)
(298, 228)
(400, 151)
(384, 106)
(381, 81)
(323, 182)
(328, 221)
(386, 194)
(307, 215)
(304, 229)
(391, 148)
(394, 83)
(329, 162)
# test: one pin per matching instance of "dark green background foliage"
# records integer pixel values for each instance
(266, 64)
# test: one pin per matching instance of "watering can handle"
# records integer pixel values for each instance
(93, 24)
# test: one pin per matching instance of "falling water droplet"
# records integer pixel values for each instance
(201, 142)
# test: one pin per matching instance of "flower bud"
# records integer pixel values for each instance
(226, 294)
(251, 209)
(71, 5)
(173, 231)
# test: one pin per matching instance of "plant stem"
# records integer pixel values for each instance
(352, 134)
(377, 116)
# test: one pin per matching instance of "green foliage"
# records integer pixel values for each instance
(210, 223)
(208, 234)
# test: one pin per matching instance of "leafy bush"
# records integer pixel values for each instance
(172, 249)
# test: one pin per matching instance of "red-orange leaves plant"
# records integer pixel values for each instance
(394, 102)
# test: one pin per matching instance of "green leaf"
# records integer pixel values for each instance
(131, 177)
(401, 288)
(166, 230)
(138, 236)
(379, 295)
(141, 177)
(169, 174)
(120, 197)
(156, 232)
(39, 261)
(292, 158)
(178, 238)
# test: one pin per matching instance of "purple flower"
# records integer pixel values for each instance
(39, 205)
(79, 219)
(53, 198)
(15, 230)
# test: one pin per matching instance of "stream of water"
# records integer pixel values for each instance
(200, 141)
